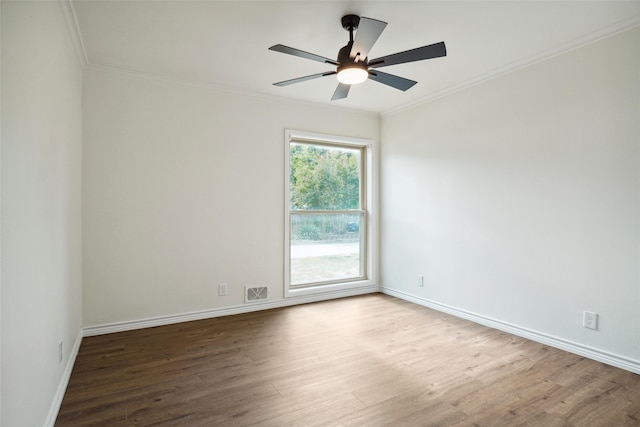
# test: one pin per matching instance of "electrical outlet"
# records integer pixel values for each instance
(420, 280)
(590, 320)
(222, 289)
(60, 352)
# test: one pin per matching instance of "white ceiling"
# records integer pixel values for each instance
(225, 43)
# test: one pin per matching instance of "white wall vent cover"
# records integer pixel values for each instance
(256, 294)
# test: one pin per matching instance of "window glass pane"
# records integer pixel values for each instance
(324, 177)
(326, 247)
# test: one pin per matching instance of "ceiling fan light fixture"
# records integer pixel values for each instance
(353, 62)
(352, 74)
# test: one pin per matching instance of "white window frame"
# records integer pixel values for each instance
(370, 160)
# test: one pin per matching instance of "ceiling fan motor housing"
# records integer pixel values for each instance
(356, 68)
(344, 57)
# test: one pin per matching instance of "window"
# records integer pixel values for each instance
(328, 187)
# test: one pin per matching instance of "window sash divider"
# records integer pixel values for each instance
(307, 280)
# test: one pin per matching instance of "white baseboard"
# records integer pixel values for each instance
(572, 347)
(64, 381)
(185, 317)
(224, 311)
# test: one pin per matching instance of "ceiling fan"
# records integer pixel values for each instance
(353, 64)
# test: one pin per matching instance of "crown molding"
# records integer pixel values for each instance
(220, 88)
(609, 31)
(71, 20)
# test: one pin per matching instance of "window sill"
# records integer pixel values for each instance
(328, 288)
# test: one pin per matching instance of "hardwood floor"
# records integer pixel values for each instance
(364, 361)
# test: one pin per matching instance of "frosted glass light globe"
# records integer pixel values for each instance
(352, 75)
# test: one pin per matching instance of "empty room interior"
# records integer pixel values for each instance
(206, 219)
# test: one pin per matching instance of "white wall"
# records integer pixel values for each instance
(518, 199)
(41, 209)
(182, 190)
(0, 214)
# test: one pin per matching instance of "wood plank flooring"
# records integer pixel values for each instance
(371, 360)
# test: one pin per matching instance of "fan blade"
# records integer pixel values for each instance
(391, 80)
(367, 34)
(435, 50)
(302, 54)
(341, 92)
(305, 78)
